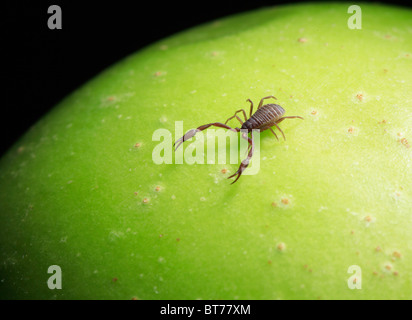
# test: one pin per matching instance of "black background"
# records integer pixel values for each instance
(42, 66)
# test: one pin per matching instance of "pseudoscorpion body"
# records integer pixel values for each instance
(265, 117)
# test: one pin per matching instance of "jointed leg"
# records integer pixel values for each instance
(291, 117)
(268, 126)
(251, 107)
(274, 133)
(235, 115)
(280, 120)
(280, 131)
(261, 101)
(192, 132)
(245, 162)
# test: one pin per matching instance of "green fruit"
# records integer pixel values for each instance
(337, 193)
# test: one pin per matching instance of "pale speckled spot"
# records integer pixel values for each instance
(387, 266)
(369, 220)
(354, 131)
(159, 73)
(281, 246)
(114, 235)
(396, 195)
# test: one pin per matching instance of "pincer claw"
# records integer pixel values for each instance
(187, 136)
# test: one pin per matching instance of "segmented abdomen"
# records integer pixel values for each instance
(268, 113)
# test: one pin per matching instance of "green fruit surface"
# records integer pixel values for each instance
(80, 189)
